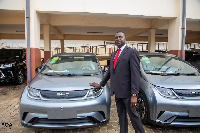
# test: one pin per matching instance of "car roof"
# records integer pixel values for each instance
(74, 54)
(155, 54)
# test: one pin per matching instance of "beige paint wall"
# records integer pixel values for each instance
(34, 26)
(131, 7)
(140, 8)
(13, 4)
(193, 9)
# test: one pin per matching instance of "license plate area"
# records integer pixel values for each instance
(61, 114)
(194, 113)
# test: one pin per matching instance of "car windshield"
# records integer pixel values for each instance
(71, 65)
(166, 65)
(10, 53)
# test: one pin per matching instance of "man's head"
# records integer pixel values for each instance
(120, 39)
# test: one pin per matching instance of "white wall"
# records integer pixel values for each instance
(54, 43)
(13, 4)
(165, 8)
(193, 9)
(137, 8)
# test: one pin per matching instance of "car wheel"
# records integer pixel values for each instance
(142, 108)
(20, 77)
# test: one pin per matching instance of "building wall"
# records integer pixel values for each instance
(137, 8)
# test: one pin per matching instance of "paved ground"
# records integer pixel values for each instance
(9, 115)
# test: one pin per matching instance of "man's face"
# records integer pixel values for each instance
(120, 39)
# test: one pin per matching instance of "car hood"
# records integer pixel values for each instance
(176, 82)
(63, 83)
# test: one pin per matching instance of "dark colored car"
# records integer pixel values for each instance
(193, 58)
(189, 54)
(12, 65)
(195, 61)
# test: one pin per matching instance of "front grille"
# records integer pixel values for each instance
(186, 119)
(6, 73)
(63, 94)
(1, 74)
(188, 92)
(63, 121)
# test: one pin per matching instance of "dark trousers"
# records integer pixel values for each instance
(123, 106)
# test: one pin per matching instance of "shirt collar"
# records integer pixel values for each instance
(122, 47)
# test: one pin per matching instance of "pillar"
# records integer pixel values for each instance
(47, 42)
(62, 45)
(151, 40)
(34, 39)
(175, 32)
(88, 50)
(110, 51)
(96, 50)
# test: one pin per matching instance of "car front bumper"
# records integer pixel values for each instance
(64, 114)
(6, 75)
(176, 112)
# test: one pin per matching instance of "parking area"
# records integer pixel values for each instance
(10, 119)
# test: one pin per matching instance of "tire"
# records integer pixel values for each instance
(142, 109)
(20, 77)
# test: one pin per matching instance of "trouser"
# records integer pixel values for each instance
(124, 106)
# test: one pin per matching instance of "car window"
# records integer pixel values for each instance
(74, 64)
(10, 53)
(166, 64)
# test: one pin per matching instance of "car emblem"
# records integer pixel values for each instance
(62, 94)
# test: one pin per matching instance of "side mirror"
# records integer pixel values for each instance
(38, 69)
(105, 69)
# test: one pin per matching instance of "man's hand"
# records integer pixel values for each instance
(96, 85)
(133, 101)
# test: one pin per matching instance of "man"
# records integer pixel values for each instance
(124, 75)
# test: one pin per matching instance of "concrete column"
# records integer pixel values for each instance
(88, 49)
(175, 32)
(34, 39)
(110, 51)
(47, 42)
(62, 45)
(151, 41)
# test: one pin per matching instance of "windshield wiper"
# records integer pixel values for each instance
(153, 73)
(166, 74)
(177, 74)
(68, 74)
(48, 74)
(87, 74)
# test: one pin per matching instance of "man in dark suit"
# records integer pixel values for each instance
(124, 75)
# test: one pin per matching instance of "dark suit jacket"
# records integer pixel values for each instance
(125, 78)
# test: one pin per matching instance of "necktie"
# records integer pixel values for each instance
(116, 57)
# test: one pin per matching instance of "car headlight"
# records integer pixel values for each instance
(166, 92)
(33, 93)
(92, 93)
(7, 65)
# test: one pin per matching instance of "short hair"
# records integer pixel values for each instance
(121, 32)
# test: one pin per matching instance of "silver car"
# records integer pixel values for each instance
(60, 95)
(169, 91)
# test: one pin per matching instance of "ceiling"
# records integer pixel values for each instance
(83, 27)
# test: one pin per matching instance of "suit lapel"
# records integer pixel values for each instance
(121, 55)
